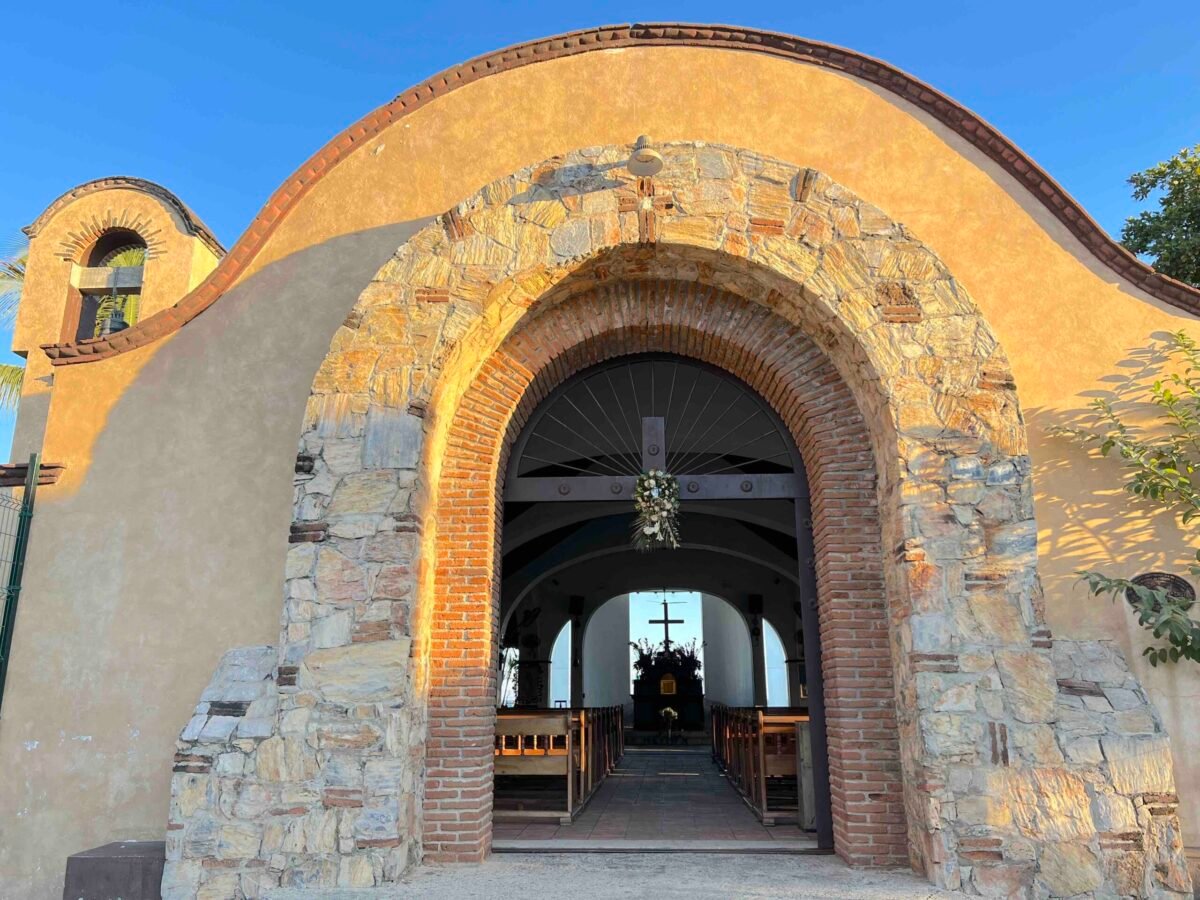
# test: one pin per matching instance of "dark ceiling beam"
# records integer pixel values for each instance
(536, 521)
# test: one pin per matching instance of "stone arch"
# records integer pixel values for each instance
(842, 320)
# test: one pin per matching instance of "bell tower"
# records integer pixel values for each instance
(102, 257)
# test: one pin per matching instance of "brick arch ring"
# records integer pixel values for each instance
(897, 393)
(797, 380)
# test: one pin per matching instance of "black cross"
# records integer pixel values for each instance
(654, 452)
(666, 621)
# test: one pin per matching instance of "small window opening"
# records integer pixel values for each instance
(112, 290)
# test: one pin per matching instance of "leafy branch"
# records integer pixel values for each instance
(1163, 614)
(1161, 459)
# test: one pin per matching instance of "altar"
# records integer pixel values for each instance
(668, 679)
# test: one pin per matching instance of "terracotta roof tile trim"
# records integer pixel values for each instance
(191, 222)
(929, 100)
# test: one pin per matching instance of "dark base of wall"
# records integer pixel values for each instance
(126, 870)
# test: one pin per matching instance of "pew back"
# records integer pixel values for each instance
(762, 751)
(549, 762)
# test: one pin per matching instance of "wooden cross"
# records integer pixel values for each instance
(646, 205)
(666, 622)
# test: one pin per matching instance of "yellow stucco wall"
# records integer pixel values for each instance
(176, 263)
(164, 544)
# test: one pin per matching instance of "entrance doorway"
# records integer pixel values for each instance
(745, 555)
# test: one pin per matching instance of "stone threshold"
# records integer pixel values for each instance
(627, 845)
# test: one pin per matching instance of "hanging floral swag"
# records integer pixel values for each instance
(656, 501)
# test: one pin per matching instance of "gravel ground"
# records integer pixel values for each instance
(591, 876)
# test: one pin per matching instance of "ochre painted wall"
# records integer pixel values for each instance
(164, 544)
(177, 261)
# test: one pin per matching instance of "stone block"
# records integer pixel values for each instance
(239, 840)
(347, 735)
(376, 825)
(1122, 699)
(281, 759)
(343, 770)
(1028, 677)
(950, 734)
(1113, 813)
(1140, 720)
(230, 764)
(391, 547)
(388, 777)
(393, 582)
(1037, 745)
(256, 727)
(1085, 750)
(339, 580)
(393, 441)
(1008, 881)
(195, 725)
(300, 560)
(320, 829)
(357, 673)
(354, 527)
(356, 872)
(1139, 765)
(181, 878)
(332, 630)
(1047, 804)
(364, 493)
(997, 617)
(200, 836)
(219, 728)
(1068, 869)
(571, 240)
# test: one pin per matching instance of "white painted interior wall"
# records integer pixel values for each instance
(728, 666)
(606, 666)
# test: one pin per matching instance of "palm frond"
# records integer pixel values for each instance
(131, 255)
(13, 259)
(11, 377)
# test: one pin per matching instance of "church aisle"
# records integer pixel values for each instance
(654, 800)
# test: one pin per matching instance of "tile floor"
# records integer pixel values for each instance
(659, 795)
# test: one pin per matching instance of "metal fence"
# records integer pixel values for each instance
(16, 514)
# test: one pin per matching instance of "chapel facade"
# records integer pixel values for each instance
(314, 486)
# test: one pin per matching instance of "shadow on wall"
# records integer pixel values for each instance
(1086, 518)
(177, 534)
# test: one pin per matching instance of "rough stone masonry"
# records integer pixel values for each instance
(1032, 767)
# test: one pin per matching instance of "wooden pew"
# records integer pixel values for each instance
(549, 762)
(765, 752)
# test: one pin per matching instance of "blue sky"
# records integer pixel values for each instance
(220, 101)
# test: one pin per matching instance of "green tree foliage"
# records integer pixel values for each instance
(1161, 460)
(1170, 236)
(12, 281)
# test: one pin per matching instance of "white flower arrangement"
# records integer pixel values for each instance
(656, 501)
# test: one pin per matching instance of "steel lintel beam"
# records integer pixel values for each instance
(691, 487)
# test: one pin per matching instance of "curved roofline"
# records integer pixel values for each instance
(929, 100)
(191, 222)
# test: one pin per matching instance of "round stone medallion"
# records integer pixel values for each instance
(1164, 581)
